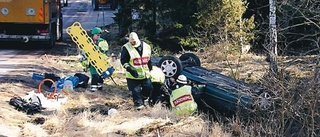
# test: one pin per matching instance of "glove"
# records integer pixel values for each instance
(85, 65)
(133, 72)
(107, 73)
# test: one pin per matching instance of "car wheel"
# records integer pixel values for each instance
(190, 59)
(264, 101)
(171, 66)
(53, 36)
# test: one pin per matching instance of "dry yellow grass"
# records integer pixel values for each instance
(83, 115)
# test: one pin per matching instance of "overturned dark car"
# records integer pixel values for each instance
(217, 92)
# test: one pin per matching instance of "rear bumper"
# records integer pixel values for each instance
(23, 38)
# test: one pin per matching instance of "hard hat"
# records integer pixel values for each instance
(134, 37)
(96, 30)
(112, 111)
(182, 79)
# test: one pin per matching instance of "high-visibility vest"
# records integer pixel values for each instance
(181, 100)
(140, 63)
(156, 75)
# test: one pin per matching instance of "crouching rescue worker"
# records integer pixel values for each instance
(102, 45)
(181, 99)
(160, 93)
(135, 58)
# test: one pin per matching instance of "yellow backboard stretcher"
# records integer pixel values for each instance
(96, 58)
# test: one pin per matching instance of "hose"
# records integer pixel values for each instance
(52, 95)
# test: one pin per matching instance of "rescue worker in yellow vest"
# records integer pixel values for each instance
(160, 93)
(135, 58)
(96, 80)
(181, 99)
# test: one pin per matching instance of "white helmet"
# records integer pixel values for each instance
(182, 79)
(134, 37)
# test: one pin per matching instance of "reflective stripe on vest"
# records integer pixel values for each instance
(182, 101)
(140, 63)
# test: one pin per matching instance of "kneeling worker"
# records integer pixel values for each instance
(160, 93)
(181, 99)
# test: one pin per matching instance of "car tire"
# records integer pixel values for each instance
(189, 60)
(265, 101)
(171, 66)
(53, 36)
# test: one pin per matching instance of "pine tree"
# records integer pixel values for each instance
(222, 21)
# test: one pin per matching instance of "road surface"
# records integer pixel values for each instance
(16, 59)
(81, 11)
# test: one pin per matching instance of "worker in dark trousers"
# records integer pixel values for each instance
(160, 92)
(96, 79)
(135, 58)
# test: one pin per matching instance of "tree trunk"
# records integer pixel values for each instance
(273, 38)
(154, 17)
